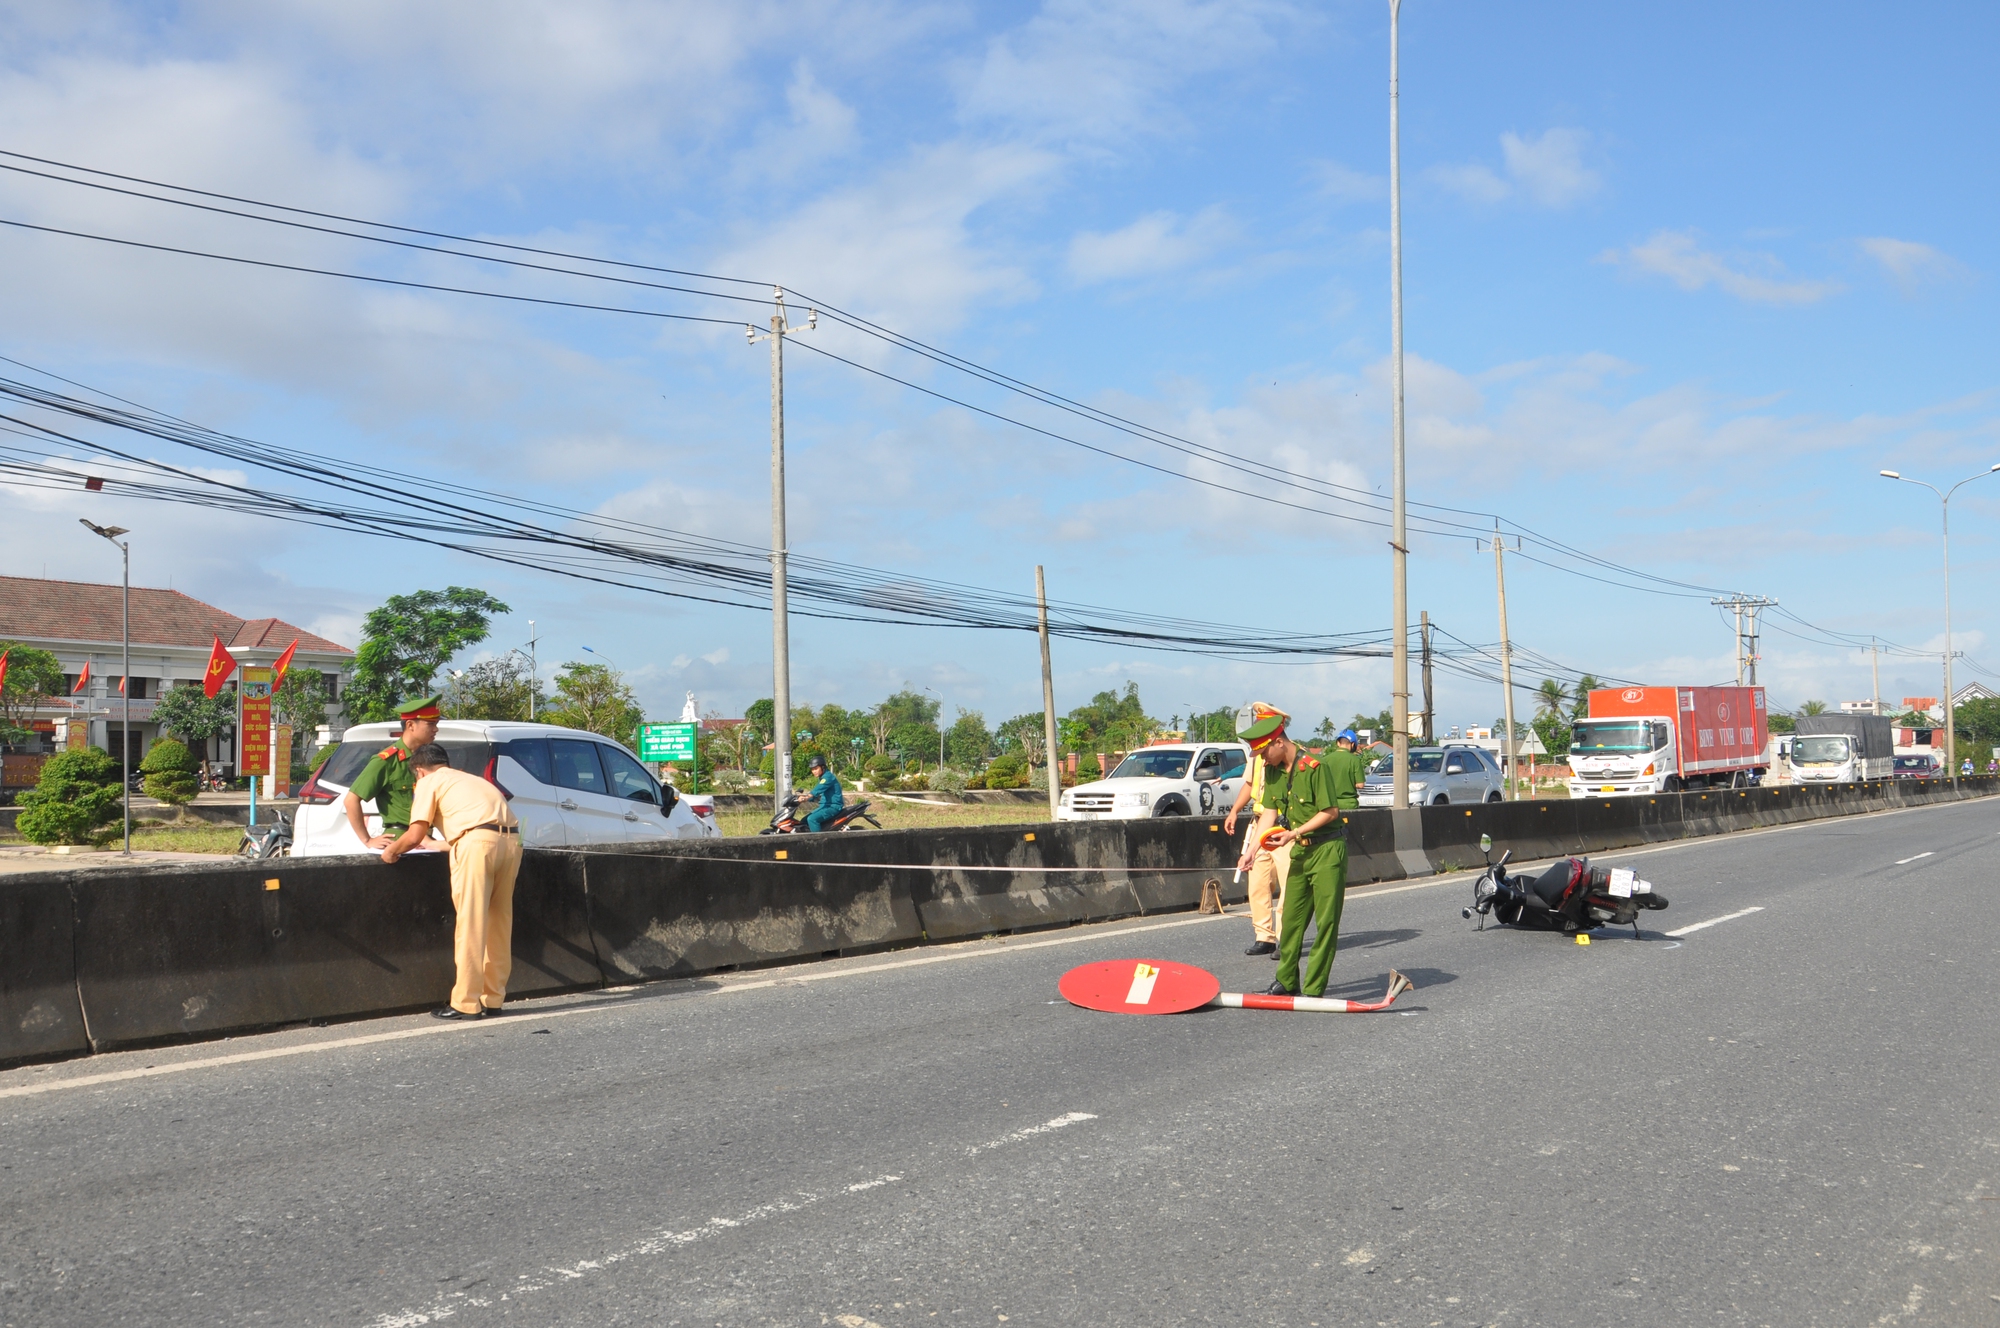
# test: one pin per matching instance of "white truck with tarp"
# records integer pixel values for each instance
(1843, 749)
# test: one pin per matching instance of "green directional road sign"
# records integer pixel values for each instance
(667, 742)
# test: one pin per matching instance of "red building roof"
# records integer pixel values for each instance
(85, 611)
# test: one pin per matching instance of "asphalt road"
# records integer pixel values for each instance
(1788, 1117)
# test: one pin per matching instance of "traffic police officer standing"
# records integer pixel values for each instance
(1268, 867)
(388, 778)
(1309, 796)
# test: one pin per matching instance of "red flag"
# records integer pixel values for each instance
(3, 667)
(284, 662)
(121, 687)
(82, 679)
(220, 665)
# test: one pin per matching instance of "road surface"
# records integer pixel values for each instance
(1787, 1117)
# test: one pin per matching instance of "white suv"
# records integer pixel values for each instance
(1172, 779)
(565, 786)
(1438, 776)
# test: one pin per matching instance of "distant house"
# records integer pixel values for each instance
(79, 623)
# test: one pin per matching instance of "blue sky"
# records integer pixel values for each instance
(1679, 283)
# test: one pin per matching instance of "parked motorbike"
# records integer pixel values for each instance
(788, 820)
(1569, 896)
(267, 841)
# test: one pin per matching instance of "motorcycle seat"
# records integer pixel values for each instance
(1550, 885)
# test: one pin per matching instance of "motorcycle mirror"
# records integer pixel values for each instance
(1486, 843)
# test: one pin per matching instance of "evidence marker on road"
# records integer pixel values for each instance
(1160, 986)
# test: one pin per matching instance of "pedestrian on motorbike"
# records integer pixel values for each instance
(1303, 801)
(826, 794)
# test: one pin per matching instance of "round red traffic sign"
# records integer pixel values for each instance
(1139, 986)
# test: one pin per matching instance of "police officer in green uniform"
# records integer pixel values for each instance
(388, 778)
(1308, 795)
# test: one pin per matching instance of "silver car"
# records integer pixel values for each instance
(565, 786)
(1439, 776)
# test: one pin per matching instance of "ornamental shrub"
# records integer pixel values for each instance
(946, 780)
(169, 770)
(78, 793)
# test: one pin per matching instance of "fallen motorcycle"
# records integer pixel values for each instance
(1569, 896)
(787, 820)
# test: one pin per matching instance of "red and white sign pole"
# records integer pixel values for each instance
(1235, 1000)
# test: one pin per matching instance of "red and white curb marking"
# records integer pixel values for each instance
(1236, 1000)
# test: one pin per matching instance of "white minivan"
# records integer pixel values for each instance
(565, 786)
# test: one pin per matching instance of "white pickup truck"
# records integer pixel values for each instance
(1172, 779)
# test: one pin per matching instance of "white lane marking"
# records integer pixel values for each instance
(966, 950)
(1726, 917)
(1061, 1122)
(1904, 862)
(527, 1284)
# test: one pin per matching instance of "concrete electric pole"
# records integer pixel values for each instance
(781, 649)
(1506, 662)
(1746, 609)
(1048, 695)
(1399, 540)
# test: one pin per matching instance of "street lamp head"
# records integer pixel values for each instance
(1892, 475)
(1995, 466)
(113, 532)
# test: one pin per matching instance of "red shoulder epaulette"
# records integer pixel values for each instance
(1308, 762)
(396, 751)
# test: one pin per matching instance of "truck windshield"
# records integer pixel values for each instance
(1153, 765)
(1819, 749)
(1592, 736)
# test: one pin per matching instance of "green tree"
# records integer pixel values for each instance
(1383, 725)
(79, 791)
(33, 677)
(1812, 707)
(968, 742)
(169, 772)
(406, 641)
(1552, 698)
(1553, 728)
(1580, 694)
(594, 697)
(300, 701)
(1111, 721)
(186, 712)
(499, 688)
(1780, 722)
(1978, 724)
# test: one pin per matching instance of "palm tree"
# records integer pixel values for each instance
(1585, 685)
(1552, 698)
(1812, 707)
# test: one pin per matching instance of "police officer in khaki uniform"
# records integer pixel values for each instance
(1310, 797)
(1268, 868)
(388, 779)
(471, 815)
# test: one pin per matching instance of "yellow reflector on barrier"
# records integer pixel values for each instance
(271, 884)
(1030, 836)
(784, 853)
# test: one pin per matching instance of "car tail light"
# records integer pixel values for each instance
(492, 772)
(311, 794)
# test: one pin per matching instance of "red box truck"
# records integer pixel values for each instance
(1666, 739)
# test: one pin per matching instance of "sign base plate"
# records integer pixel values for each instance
(1139, 986)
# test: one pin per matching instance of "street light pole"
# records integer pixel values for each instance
(1399, 541)
(125, 637)
(1944, 508)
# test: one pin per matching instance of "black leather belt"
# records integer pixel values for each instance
(495, 825)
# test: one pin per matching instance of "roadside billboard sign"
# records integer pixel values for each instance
(253, 729)
(667, 742)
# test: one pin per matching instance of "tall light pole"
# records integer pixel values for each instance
(781, 646)
(125, 633)
(1399, 542)
(1944, 509)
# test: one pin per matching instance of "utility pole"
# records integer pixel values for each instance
(1506, 661)
(1746, 609)
(1875, 672)
(781, 649)
(1430, 718)
(534, 671)
(1399, 539)
(1048, 695)
(125, 637)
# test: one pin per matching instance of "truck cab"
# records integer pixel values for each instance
(1624, 755)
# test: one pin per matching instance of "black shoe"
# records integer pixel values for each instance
(447, 1012)
(493, 1012)
(1263, 947)
(1279, 989)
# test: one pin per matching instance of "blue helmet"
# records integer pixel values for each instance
(1348, 735)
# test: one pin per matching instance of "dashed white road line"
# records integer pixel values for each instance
(1726, 917)
(527, 1284)
(1061, 1122)
(1904, 862)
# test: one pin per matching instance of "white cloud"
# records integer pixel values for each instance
(1547, 171)
(1759, 278)
(1093, 71)
(1913, 265)
(1347, 185)
(1156, 242)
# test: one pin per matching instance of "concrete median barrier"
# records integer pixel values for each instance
(41, 1015)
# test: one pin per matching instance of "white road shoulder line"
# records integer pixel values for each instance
(1061, 1122)
(1726, 917)
(1904, 862)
